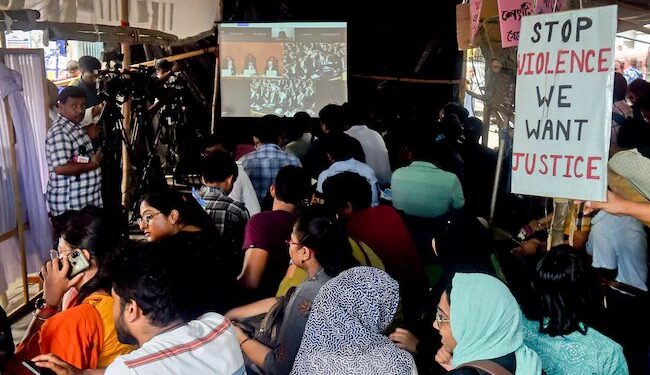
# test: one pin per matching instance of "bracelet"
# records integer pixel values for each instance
(35, 315)
(242, 343)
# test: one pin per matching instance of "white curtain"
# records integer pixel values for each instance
(33, 82)
(9, 256)
(29, 143)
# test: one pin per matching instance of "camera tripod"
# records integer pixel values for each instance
(140, 151)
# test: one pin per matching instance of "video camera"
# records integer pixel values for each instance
(117, 86)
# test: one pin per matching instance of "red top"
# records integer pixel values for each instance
(384, 231)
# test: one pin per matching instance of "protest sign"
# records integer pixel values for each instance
(475, 18)
(565, 66)
(550, 6)
(511, 13)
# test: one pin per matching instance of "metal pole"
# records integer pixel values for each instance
(503, 140)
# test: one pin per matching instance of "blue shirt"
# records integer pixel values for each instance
(631, 74)
(351, 165)
(619, 243)
(575, 353)
(263, 164)
(424, 190)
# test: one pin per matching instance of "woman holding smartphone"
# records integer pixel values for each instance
(81, 330)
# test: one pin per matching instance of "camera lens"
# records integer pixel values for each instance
(75, 254)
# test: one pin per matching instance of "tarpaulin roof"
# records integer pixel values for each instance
(160, 21)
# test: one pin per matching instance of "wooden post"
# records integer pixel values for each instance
(126, 109)
(215, 95)
(17, 202)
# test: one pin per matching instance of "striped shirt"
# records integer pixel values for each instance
(207, 345)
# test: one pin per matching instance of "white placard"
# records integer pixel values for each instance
(565, 67)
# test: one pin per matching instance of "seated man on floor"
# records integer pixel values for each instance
(263, 164)
(219, 174)
(242, 190)
(265, 250)
(148, 294)
(339, 151)
(423, 189)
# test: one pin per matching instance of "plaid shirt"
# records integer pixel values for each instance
(230, 216)
(66, 140)
(263, 164)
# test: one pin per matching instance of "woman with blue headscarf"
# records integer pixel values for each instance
(344, 334)
(479, 319)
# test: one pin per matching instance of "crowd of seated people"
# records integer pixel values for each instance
(334, 270)
(281, 96)
(314, 60)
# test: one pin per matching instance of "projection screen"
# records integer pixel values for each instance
(281, 68)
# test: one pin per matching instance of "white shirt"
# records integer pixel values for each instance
(351, 165)
(244, 192)
(619, 243)
(376, 152)
(207, 345)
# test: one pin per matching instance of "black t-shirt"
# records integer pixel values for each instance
(479, 166)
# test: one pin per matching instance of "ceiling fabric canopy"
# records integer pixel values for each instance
(167, 16)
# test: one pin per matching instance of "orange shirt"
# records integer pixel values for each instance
(83, 336)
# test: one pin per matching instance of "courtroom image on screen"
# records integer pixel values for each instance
(281, 68)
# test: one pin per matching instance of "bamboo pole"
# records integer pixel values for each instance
(17, 202)
(126, 109)
(215, 96)
(180, 56)
(411, 80)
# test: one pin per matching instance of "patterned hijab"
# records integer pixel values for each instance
(344, 331)
(487, 323)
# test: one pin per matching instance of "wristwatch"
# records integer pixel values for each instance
(41, 304)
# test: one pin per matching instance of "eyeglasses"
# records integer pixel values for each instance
(61, 250)
(58, 254)
(289, 243)
(441, 317)
(146, 219)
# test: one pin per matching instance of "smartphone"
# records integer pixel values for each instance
(78, 263)
(31, 366)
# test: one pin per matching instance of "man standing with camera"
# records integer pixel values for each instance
(75, 178)
(87, 81)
